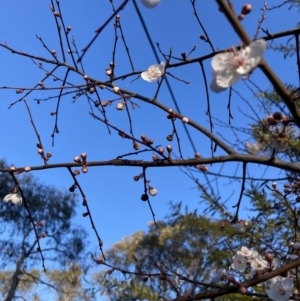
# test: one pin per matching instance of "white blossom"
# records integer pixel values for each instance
(219, 275)
(153, 72)
(150, 3)
(280, 289)
(228, 67)
(14, 198)
(259, 263)
(239, 263)
(250, 255)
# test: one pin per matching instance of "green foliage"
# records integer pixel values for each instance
(64, 242)
(189, 244)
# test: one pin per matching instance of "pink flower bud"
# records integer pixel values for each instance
(169, 148)
(160, 150)
(83, 156)
(77, 160)
(116, 89)
(246, 9)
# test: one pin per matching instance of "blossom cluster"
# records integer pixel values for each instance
(252, 264)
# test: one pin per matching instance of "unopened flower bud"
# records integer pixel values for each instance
(152, 191)
(160, 150)
(136, 145)
(40, 224)
(144, 197)
(169, 148)
(116, 89)
(274, 185)
(197, 156)
(84, 169)
(108, 72)
(69, 28)
(83, 156)
(56, 14)
(91, 90)
(77, 160)
(76, 172)
(27, 168)
(86, 77)
(269, 257)
(85, 214)
(155, 158)
(185, 120)
(241, 17)
(121, 106)
(246, 9)
(136, 178)
(170, 137)
(203, 168)
(48, 155)
(41, 151)
(53, 52)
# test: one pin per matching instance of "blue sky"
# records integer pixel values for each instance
(113, 196)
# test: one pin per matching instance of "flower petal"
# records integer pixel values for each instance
(214, 87)
(226, 78)
(16, 199)
(161, 68)
(145, 76)
(7, 198)
(222, 61)
(252, 55)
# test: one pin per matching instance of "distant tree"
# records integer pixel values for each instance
(63, 242)
(188, 244)
(183, 254)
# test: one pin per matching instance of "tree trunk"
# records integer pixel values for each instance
(15, 278)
